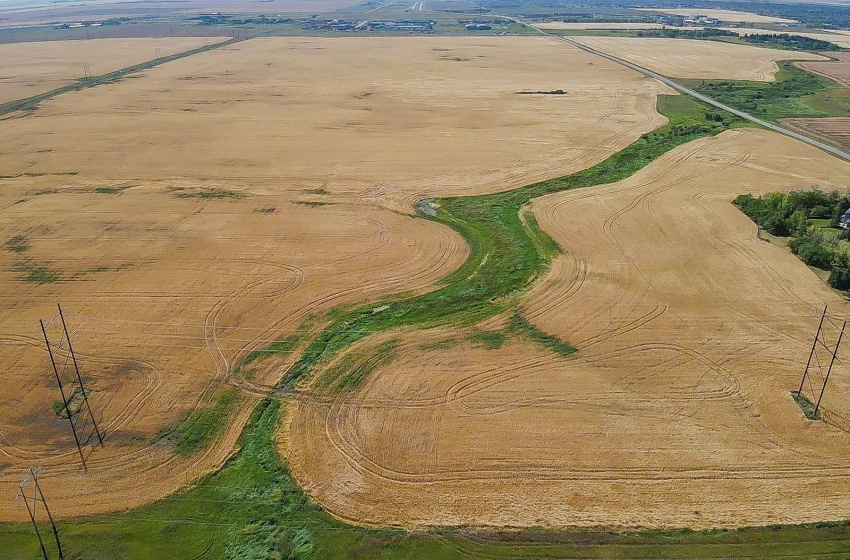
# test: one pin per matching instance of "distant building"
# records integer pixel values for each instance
(844, 220)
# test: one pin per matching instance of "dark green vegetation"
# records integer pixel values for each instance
(807, 406)
(686, 33)
(552, 92)
(522, 327)
(810, 219)
(795, 93)
(314, 203)
(75, 403)
(30, 103)
(253, 509)
(197, 429)
(110, 190)
(795, 42)
(207, 194)
(491, 340)
(16, 244)
(35, 273)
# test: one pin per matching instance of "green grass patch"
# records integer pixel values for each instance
(491, 340)
(75, 404)
(317, 191)
(520, 326)
(197, 429)
(208, 194)
(35, 273)
(807, 406)
(354, 367)
(16, 244)
(110, 190)
(795, 93)
(314, 203)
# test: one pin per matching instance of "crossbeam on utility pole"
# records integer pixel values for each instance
(30, 503)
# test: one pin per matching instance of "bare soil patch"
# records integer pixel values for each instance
(692, 58)
(214, 204)
(27, 69)
(676, 411)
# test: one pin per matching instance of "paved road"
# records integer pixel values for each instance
(688, 91)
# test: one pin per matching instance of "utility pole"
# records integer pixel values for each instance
(812, 353)
(79, 377)
(30, 503)
(62, 391)
(831, 363)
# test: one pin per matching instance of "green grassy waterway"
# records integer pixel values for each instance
(252, 508)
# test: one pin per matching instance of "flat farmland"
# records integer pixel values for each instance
(228, 200)
(555, 25)
(676, 411)
(27, 69)
(723, 15)
(836, 70)
(318, 110)
(692, 58)
(834, 129)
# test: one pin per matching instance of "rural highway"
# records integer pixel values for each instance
(688, 91)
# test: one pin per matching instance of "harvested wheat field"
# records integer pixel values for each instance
(835, 130)
(441, 116)
(27, 69)
(676, 411)
(693, 58)
(838, 37)
(595, 25)
(837, 70)
(223, 200)
(166, 290)
(723, 15)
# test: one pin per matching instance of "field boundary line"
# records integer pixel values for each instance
(110, 77)
(688, 91)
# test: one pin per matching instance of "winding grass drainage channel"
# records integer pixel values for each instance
(508, 251)
(30, 103)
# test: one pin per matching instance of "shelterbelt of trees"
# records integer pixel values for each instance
(792, 214)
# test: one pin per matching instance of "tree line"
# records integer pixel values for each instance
(788, 215)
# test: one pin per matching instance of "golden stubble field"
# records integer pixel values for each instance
(723, 15)
(214, 204)
(676, 411)
(694, 58)
(27, 69)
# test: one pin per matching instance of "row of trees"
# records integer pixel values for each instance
(791, 42)
(668, 33)
(788, 215)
